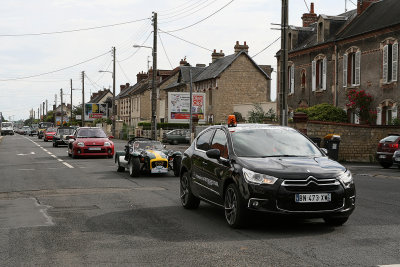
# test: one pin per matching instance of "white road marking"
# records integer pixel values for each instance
(26, 169)
(45, 149)
(69, 166)
(49, 153)
(60, 160)
(54, 156)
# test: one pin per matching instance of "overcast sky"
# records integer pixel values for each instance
(30, 55)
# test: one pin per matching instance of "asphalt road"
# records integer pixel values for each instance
(55, 211)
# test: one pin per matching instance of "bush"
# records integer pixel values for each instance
(324, 112)
(257, 115)
(164, 125)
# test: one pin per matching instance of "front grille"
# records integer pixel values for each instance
(154, 164)
(92, 145)
(103, 150)
(289, 188)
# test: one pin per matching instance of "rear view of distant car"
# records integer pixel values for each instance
(386, 148)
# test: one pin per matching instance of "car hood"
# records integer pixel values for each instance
(294, 167)
(53, 133)
(93, 141)
(156, 154)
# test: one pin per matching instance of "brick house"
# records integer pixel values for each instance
(329, 55)
(101, 97)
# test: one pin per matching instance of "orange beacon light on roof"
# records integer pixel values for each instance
(232, 121)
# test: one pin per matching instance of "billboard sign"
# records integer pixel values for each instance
(95, 111)
(179, 107)
(58, 120)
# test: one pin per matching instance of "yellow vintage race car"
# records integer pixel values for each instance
(147, 156)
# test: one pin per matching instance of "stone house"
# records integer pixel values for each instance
(102, 97)
(229, 82)
(330, 55)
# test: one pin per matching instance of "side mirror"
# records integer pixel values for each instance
(111, 137)
(164, 146)
(213, 154)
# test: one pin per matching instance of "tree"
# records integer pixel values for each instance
(257, 115)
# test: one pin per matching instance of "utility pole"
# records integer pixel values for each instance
(83, 97)
(190, 106)
(113, 98)
(54, 109)
(43, 109)
(284, 58)
(38, 114)
(154, 88)
(62, 113)
(47, 107)
(70, 119)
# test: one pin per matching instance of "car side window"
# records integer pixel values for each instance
(220, 142)
(203, 142)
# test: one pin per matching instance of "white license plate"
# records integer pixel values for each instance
(396, 159)
(159, 169)
(95, 148)
(382, 156)
(313, 198)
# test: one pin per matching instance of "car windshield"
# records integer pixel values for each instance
(149, 145)
(45, 124)
(391, 138)
(4, 124)
(65, 131)
(272, 142)
(51, 130)
(91, 133)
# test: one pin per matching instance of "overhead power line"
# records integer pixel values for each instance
(54, 71)
(165, 51)
(75, 30)
(266, 47)
(134, 53)
(209, 16)
(189, 12)
(123, 72)
(185, 40)
(307, 6)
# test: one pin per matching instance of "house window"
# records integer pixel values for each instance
(291, 79)
(351, 68)
(303, 79)
(319, 66)
(390, 62)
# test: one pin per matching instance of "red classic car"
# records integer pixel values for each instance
(90, 141)
(48, 134)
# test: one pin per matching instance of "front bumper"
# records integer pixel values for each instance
(281, 199)
(94, 151)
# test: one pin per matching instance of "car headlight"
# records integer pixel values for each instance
(258, 178)
(81, 144)
(107, 144)
(346, 178)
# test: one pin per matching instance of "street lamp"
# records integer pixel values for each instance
(153, 89)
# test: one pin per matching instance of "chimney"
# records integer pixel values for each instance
(183, 62)
(215, 55)
(362, 5)
(127, 85)
(238, 47)
(141, 76)
(309, 18)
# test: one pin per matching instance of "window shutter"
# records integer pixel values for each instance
(378, 116)
(358, 68)
(324, 67)
(292, 79)
(395, 58)
(345, 70)
(313, 74)
(385, 64)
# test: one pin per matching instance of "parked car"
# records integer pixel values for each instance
(177, 136)
(264, 168)
(42, 127)
(386, 147)
(90, 141)
(49, 133)
(25, 130)
(147, 156)
(7, 128)
(396, 158)
(62, 136)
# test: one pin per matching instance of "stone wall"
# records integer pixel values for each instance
(358, 142)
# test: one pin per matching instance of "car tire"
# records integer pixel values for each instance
(134, 167)
(188, 200)
(120, 168)
(235, 210)
(386, 165)
(176, 164)
(335, 221)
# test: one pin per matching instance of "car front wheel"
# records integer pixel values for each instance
(134, 167)
(234, 208)
(120, 168)
(188, 200)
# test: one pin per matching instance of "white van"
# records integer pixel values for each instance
(7, 128)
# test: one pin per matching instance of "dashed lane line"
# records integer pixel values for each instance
(51, 154)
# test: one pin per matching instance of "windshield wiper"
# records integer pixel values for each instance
(282, 156)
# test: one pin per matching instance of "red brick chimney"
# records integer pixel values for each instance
(362, 5)
(309, 18)
(142, 76)
(238, 47)
(215, 55)
(183, 62)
